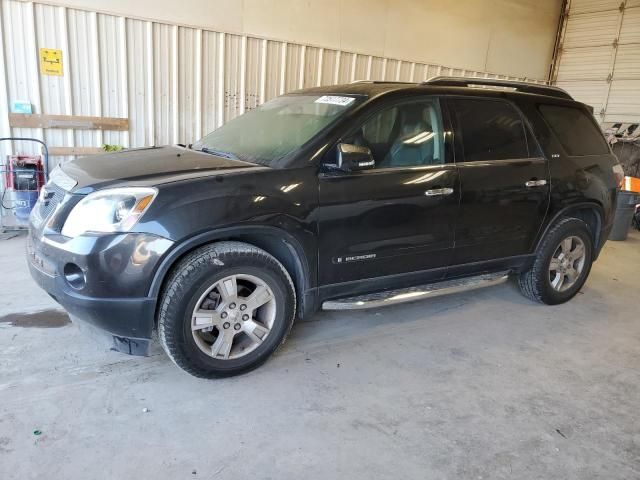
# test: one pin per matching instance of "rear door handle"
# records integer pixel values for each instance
(535, 183)
(438, 192)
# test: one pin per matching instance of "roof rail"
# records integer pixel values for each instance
(526, 87)
(375, 82)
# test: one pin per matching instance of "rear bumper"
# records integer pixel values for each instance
(117, 271)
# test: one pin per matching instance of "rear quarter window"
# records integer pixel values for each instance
(575, 130)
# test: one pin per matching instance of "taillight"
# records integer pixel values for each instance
(619, 173)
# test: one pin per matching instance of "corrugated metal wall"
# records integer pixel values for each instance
(599, 60)
(174, 83)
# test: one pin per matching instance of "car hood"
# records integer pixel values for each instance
(146, 167)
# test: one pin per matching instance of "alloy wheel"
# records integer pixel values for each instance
(567, 263)
(233, 316)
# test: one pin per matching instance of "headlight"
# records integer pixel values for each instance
(108, 211)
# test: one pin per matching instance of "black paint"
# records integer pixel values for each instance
(307, 214)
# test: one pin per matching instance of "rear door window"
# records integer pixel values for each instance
(575, 130)
(490, 130)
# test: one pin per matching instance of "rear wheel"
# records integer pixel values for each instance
(562, 265)
(226, 307)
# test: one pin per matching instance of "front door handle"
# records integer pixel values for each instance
(535, 183)
(438, 192)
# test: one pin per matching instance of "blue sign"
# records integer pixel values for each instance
(21, 107)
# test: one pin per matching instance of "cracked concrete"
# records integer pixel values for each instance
(471, 386)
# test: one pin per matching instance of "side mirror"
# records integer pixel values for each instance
(352, 158)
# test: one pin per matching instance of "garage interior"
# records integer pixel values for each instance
(475, 385)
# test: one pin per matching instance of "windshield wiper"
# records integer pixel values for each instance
(219, 153)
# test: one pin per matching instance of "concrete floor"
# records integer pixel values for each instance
(471, 386)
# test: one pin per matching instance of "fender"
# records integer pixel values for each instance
(567, 210)
(190, 243)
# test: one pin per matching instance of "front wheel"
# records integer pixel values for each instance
(225, 309)
(562, 265)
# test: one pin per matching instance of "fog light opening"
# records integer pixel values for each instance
(74, 276)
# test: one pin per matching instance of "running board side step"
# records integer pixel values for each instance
(402, 295)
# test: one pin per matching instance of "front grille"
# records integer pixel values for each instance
(55, 201)
(51, 196)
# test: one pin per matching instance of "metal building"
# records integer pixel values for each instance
(598, 59)
(173, 83)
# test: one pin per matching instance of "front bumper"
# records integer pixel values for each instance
(117, 271)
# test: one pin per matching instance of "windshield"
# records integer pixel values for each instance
(272, 131)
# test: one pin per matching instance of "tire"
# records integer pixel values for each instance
(538, 282)
(204, 279)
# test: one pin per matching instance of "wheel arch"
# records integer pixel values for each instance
(283, 246)
(591, 213)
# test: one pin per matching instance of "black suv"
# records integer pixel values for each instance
(341, 197)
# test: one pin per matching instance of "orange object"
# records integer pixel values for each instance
(632, 184)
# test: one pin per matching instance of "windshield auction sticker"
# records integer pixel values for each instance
(335, 100)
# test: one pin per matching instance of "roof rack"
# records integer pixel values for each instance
(375, 82)
(490, 82)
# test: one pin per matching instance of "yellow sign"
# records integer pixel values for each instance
(50, 61)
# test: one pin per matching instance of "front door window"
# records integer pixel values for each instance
(405, 135)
